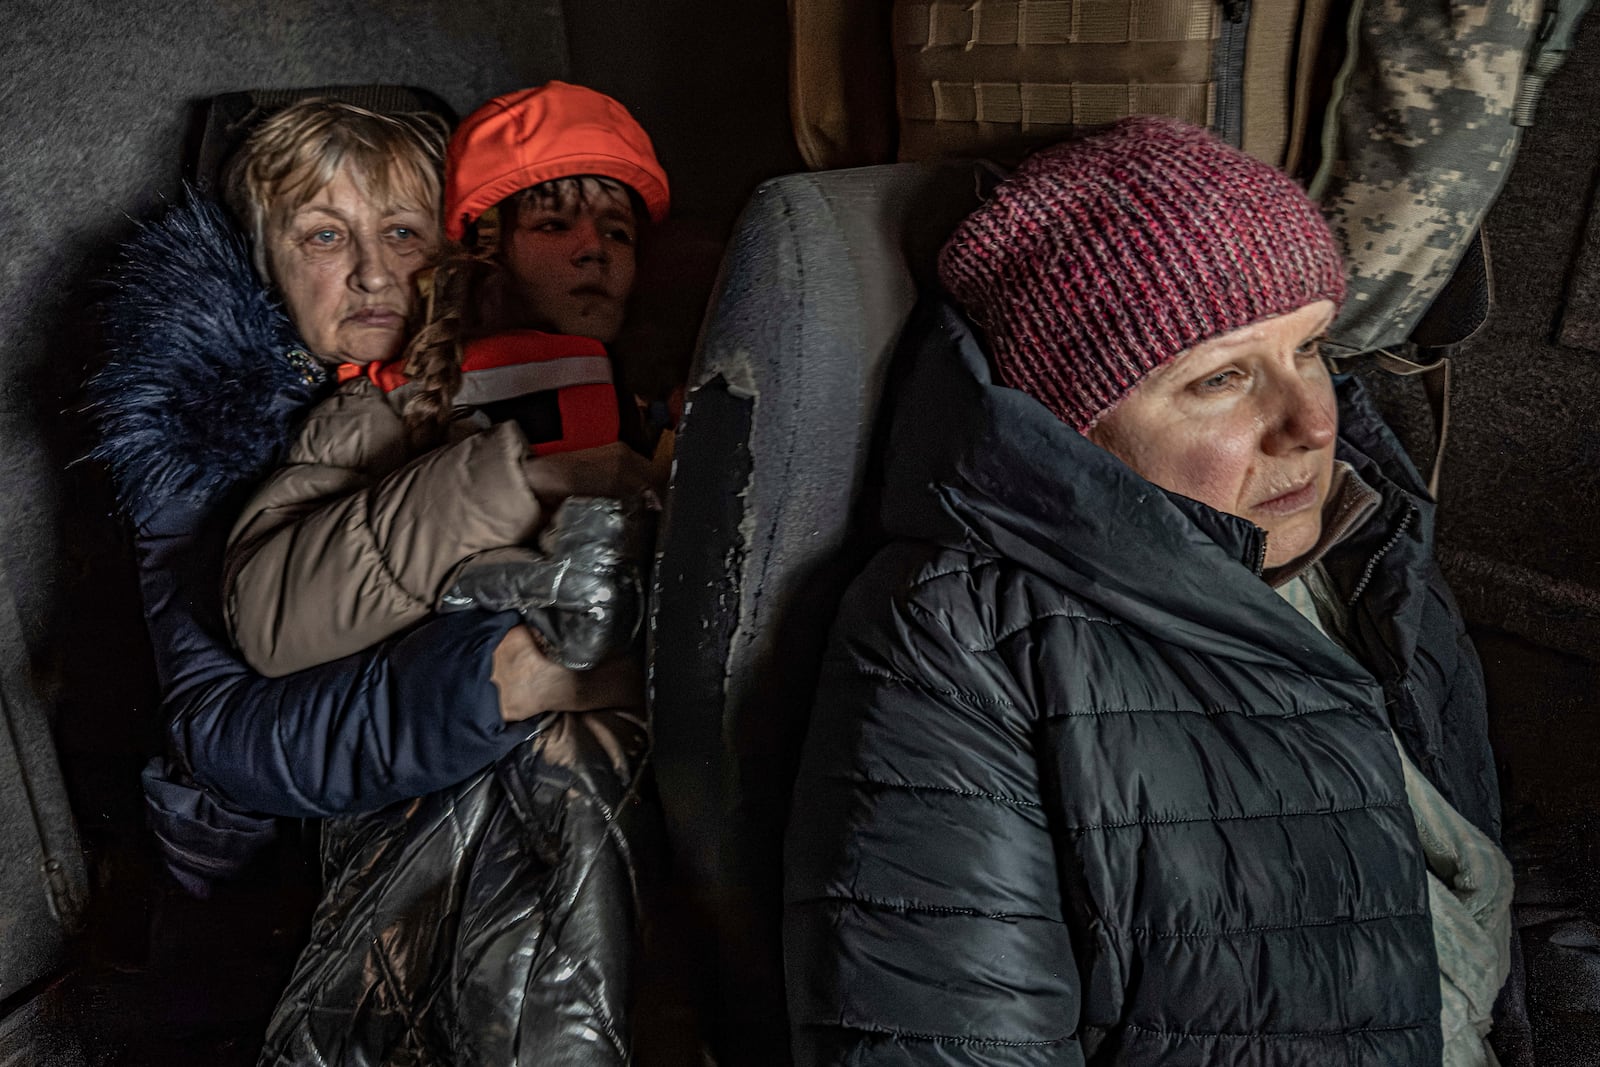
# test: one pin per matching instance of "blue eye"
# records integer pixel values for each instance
(1309, 349)
(324, 237)
(1218, 382)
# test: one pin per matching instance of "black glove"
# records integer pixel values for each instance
(582, 593)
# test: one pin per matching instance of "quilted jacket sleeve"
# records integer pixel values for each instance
(923, 915)
(391, 722)
(340, 550)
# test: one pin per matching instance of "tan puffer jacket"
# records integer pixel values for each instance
(350, 541)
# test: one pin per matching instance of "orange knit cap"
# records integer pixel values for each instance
(537, 135)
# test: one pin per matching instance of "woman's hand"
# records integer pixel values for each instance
(531, 683)
(609, 470)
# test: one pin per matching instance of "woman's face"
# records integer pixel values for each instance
(346, 267)
(1245, 423)
(571, 262)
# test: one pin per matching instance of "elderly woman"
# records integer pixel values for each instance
(1155, 737)
(433, 942)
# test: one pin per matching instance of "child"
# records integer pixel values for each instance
(411, 487)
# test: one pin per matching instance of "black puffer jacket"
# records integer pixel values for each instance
(1080, 788)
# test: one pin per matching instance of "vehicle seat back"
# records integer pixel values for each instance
(764, 532)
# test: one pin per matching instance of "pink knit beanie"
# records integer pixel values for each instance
(1101, 259)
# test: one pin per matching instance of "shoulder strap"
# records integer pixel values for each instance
(1436, 384)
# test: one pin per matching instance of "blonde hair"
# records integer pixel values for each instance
(291, 156)
(467, 295)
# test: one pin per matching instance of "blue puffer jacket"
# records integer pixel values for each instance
(205, 384)
(1079, 788)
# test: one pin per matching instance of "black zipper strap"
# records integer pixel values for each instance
(1372, 564)
(1227, 72)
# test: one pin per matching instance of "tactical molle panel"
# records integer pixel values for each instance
(998, 77)
(1002, 76)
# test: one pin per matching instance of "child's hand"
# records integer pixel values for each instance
(609, 470)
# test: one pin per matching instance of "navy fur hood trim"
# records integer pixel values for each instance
(207, 376)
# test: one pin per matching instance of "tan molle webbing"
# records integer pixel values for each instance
(918, 80)
(998, 76)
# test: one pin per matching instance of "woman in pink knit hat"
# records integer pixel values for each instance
(1153, 737)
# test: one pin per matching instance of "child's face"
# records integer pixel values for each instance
(571, 260)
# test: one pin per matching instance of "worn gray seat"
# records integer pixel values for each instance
(764, 532)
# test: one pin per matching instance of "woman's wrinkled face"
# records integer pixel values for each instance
(571, 261)
(1245, 423)
(346, 267)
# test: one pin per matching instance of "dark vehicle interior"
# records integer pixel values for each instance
(805, 164)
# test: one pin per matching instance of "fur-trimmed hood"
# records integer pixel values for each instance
(207, 375)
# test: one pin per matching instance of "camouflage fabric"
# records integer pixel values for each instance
(1421, 141)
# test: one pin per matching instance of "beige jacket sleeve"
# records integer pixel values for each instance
(348, 544)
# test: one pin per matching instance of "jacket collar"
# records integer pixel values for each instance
(206, 377)
(981, 467)
(1350, 503)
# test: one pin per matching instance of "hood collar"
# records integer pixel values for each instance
(206, 376)
(977, 466)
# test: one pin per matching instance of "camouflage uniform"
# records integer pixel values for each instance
(1419, 144)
